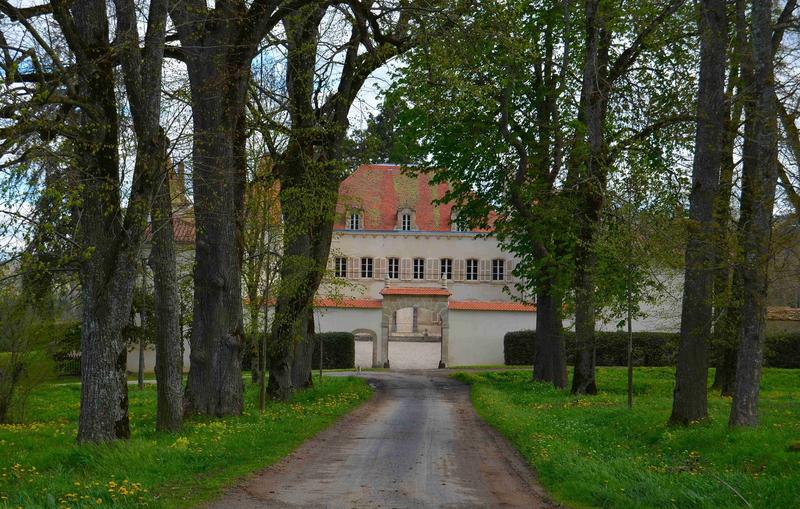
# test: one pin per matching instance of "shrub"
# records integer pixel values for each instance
(24, 357)
(338, 350)
(782, 351)
(518, 347)
(649, 348)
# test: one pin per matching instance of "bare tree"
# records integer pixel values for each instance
(690, 401)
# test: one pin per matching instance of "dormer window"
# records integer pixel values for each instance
(455, 224)
(405, 222)
(354, 221)
(405, 219)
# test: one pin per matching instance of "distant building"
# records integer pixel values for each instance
(424, 289)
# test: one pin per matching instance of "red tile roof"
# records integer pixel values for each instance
(416, 291)
(183, 230)
(478, 305)
(781, 313)
(349, 303)
(381, 190)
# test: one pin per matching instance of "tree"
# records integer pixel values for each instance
(591, 159)
(495, 75)
(166, 299)
(218, 45)
(691, 398)
(310, 168)
(759, 178)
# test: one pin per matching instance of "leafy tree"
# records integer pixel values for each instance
(691, 400)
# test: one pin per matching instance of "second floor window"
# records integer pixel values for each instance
(406, 222)
(498, 270)
(355, 221)
(341, 267)
(366, 267)
(419, 268)
(472, 270)
(394, 268)
(447, 268)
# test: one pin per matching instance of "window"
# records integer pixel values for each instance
(394, 268)
(341, 267)
(472, 270)
(498, 270)
(405, 222)
(447, 268)
(366, 267)
(419, 268)
(355, 221)
(456, 225)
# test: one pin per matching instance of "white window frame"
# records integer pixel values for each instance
(405, 222)
(367, 268)
(340, 267)
(393, 268)
(446, 268)
(473, 274)
(355, 221)
(498, 269)
(418, 268)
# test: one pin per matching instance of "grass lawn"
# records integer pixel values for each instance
(41, 466)
(594, 452)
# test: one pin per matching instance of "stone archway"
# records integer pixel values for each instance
(373, 339)
(395, 299)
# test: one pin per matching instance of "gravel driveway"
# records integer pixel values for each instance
(416, 443)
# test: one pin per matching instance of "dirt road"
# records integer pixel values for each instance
(416, 443)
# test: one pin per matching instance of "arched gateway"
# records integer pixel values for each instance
(396, 299)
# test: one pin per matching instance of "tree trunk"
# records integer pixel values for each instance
(112, 237)
(759, 177)
(302, 267)
(590, 193)
(550, 363)
(215, 384)
(169, 357)
(583, 378)
(303, 355)
(140, 371)
(690, 401)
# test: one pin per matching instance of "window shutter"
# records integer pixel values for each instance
(433, 269)
(459, 268)
(379, 271)
(405, 268)
(509, 269)
(353, 268)
(485, 270)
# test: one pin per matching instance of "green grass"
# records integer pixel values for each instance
(594, 452)
(41, 466)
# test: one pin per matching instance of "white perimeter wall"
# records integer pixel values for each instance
(476, 337)
(150, 359)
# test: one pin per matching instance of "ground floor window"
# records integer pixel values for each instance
(366, 267)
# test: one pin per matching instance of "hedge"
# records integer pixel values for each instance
(649, 348)
(338, 350)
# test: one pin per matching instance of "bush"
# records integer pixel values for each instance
(782, 351)
(338, 350)
(649, 348)
(518, 347)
